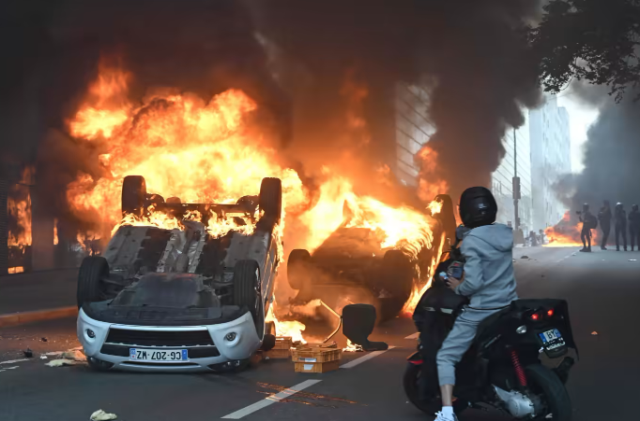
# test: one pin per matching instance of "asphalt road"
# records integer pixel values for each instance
(603, 289)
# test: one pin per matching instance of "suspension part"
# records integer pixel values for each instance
(519, 370)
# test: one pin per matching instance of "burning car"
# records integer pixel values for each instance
(193, 297)
(358, 263)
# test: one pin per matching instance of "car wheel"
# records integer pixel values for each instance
(396, 278)
(270, 199)
(134, 195)
(247, 292)
(90, 288)
(298, 266)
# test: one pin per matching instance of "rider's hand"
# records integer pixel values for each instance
(453, 283)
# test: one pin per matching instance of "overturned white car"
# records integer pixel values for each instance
(181, 299)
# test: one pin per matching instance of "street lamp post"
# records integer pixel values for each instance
(516, 182)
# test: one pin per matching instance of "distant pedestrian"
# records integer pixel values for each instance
(621, 226)
(604, 216)
(589, 222)
(634, 226)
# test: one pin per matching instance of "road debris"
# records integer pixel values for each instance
(74, 354)
(594, 333)
(633, 260)
(43, 339)
(100, 415)
(9, 368)
(43, 357)
(28, 353)
(60, 363)
(525, 257)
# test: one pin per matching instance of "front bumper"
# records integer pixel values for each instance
(202, 356)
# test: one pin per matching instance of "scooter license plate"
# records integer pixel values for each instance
(552, 339)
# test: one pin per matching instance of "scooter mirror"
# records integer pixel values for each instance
(358, 321)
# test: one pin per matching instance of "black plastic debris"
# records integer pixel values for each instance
(28, 353)
(43, 339)
(525, 257)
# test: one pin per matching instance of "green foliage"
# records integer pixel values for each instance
(591, 40)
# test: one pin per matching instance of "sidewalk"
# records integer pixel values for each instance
(45, 290)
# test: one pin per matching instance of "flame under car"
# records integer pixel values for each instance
(352, 266)
(183, 299)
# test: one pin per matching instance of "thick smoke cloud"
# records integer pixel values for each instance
(612, 154)
(473, 52)
(52, 49)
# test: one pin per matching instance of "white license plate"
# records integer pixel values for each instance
(156, 355)
(550, 335)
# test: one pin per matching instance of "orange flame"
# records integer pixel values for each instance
(430, 184)
(183, 147)
(55, 231)
(566, 233)
(293, 329)
(435, 207)
(21, 211)
(208, 151)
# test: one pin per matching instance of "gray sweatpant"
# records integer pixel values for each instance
(458, 342)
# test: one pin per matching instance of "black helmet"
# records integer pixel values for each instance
(477, 207)
(585, 207)
(619, 206)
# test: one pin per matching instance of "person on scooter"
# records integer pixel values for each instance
(488, 282)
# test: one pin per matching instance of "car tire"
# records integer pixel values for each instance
(270, 199)
(247, 292)
(298, 266)
(134, 195)
(90, 288)
(396, 277)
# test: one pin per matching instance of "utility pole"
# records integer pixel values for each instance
(516, 182)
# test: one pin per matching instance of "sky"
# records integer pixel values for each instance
(581, 117)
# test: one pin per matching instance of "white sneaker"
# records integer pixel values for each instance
(441, 417)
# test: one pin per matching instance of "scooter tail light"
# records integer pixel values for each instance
(535, 317)
(550, 313)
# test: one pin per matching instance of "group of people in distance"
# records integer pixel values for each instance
(619, 215)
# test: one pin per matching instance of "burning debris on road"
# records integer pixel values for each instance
(566, 233)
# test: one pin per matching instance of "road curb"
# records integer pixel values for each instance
(16, 319)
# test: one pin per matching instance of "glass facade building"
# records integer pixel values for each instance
(550, 160)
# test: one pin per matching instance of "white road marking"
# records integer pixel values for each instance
(413, 336)
(365, 358)
(13, 361)
(9, 368)
(271, 400)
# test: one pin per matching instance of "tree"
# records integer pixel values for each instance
(591, 40)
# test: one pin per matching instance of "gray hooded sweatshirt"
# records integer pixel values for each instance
(488, 272)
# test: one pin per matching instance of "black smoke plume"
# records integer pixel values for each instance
(611, 159)
(473, 52)
(52, 49)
